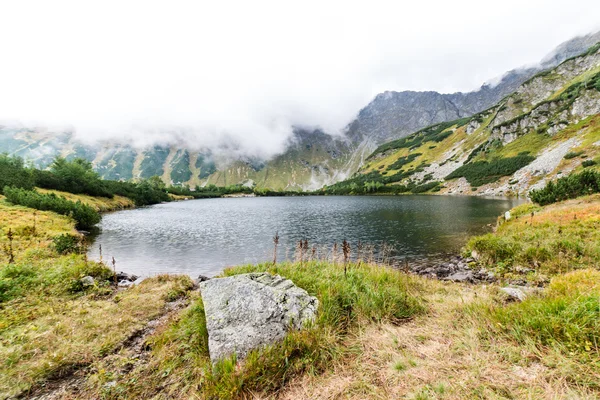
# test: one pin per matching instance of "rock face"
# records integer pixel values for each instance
(249, 311)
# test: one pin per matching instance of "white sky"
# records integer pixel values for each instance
(249, 70)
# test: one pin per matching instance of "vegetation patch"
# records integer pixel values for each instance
(565, 318)
(539, 242)
(402, 161)
(569, 187)
(481, 172)
(433, 133)
(84, 215)
(180, 361)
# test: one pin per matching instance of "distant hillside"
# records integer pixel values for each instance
(548, 127)
(312, 158)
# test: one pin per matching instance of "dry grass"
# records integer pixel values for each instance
(178, 197)
(46, 337)
(441, 355)
(49, 324)
(21, 221)
(101, 204)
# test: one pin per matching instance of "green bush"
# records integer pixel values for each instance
(569, 187)
(84, 215)
(481, 172)
(75, 176)
(402, 161)
(588, 163)
(67, 243)
(572, 154)
(13, 173)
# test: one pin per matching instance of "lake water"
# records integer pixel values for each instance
(204, 236)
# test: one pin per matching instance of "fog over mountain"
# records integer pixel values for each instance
(242, 75)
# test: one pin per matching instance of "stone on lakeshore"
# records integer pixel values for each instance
(519, 293)
(202, 278)
(249, 311)
(461, 276)
(87, 281)
(123, 276)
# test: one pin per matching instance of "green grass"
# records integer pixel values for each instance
(547, 240)
(180, 361)
(50, 323)
(564, 320)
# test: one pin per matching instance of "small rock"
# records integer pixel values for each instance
(461, 276)
(125, 283)
(514, 294)
(123, 276)
(507, 216)
(202, 278)
(87, 281)
(475, 255)
(110, 384)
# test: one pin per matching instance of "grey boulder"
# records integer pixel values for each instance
(250, 311)
(87, 281)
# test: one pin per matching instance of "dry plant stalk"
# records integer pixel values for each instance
(114, 264)
(334, 252)
(299, 255)
(8, 249)
(359, 249)
(346, 251)
(34, 222)
(305, 248)
(275, 243)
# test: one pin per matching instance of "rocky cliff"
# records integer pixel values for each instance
(548, 127)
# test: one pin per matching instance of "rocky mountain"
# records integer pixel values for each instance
(547, 128)
(312, 158)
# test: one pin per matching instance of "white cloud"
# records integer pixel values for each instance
(250, 70)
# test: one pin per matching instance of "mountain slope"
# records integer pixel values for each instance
(312, 158)
(548, 127)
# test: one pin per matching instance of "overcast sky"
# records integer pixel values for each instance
(250, 70)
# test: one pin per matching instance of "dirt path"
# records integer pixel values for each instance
(68, 386)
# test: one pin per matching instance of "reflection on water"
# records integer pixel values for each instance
(204, 236)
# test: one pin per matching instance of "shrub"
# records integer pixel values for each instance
(67, 243)
(572, 154)
(13, 173)
(569, 187)
(588, 163)
(481, 172)
(433, 133)
(84, 215)
(75, 176)
(402, 161)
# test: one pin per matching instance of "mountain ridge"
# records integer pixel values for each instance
(547, 128)
(312, 158)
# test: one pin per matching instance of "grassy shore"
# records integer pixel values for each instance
(101, 204)
(379, 333)
(49, 323)
(540, 242)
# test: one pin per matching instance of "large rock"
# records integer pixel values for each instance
(245, 312)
